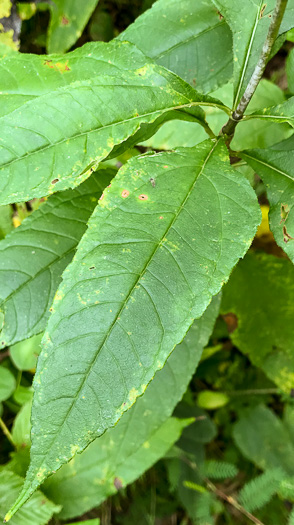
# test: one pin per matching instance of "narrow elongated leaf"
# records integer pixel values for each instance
(33, 257)
(37, 511)
(255, 132)
(68, 20)
(282, 113)
(54, 141)
(141, 437)
(275, 166)
(249, 21)
(260, 293)
(288, 19)
(163, 240)
(189, 38)
(290, 71)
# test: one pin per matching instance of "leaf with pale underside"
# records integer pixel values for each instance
(68, 20)
(52, 138)
(34, 255)
(249, 21)
(161, 243)
(275, 166)
(189, 38)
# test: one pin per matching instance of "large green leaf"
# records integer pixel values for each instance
(37, 511)
(249, 21)
(265, 439)
(163, 240)
(142, 436)
(275, 166)
(260, 293)
(34, 255)
(52, 140)
(68, 20)
(187, 37)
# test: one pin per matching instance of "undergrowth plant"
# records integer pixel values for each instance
(121, 262)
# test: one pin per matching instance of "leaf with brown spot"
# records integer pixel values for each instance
(275, 166)
(67, 126)
(67, 22)
(154, 278)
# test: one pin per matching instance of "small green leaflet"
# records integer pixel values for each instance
(34, 255)
(152, 258)
(54, 140)
(275, 166)
(189, 38)
(68, 20)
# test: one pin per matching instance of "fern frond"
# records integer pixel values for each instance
(259, 491)
(286, 489)
(219, 470)
(173, 472)
(203, 513)
(194, 486)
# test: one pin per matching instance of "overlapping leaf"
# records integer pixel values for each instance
(275, 166)
(142, 436)
(263, 128)
(189, 38)
(33, 257)
(261, 294)
(281, 113)
(37, 511)
(249, 21)
(160, 244)
(53, 141)
(68, 20)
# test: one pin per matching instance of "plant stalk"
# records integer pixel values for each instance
(232, 502)
(6, 432)
(277, 17)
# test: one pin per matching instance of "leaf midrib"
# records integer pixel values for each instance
(118, 123)
(270, 166)
(72, 405)
(247, 56)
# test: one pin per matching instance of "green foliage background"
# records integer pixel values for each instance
(211, 441)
